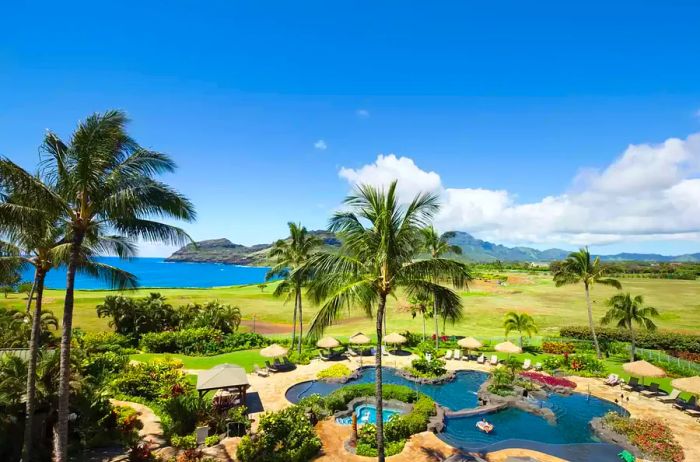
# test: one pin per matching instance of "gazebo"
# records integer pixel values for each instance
(227, 377)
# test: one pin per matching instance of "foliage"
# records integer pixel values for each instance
(339, 399)
(656, 340)
(367, 442)
(653, 437)
(212, 440)
(283, 436)
(187, 411)
(101, 342)
(627, 312)
(522, 322)
(184, 442)
(551, 363)
(151, 381)
(422, 367)
(15, 328)
(101, 365)
(548, 380)
(558, 348)
(213, 314)
(686, 355)
(303, 358)
(202, 340)
(334, 371)
(588, 364)
(502, 381)
(135, 317)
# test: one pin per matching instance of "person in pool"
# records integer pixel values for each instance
(484, 426)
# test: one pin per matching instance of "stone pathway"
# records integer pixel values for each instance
(152, 431)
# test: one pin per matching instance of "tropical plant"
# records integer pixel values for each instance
(419, 306)
(99, 181)
(380, 241)
(291, 258)
(437, 246)
(580, 267)
(522, 322)
(628, 311)
(225, 318)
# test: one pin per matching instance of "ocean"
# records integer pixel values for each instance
(156, 272)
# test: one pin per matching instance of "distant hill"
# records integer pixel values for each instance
(473, 249)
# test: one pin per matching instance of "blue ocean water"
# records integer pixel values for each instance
(156, 272)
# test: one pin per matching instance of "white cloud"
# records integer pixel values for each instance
(649, 192)
(320, 145)
(362, 113)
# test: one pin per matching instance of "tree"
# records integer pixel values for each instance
(627, 312)
(10, 278)
(580, 267)
(291, 258)
(99, 181)
(419, 306)
(438, 246)
(380, 243)
(522, 322)
(225, 318)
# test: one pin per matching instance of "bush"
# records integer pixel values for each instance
(101, 365)
(421, 367)
(339, 399)
(367, 442)
(303, 358)
(548, 380)
(334, 372)
(588, 364)
(243, 341)
(653, 437)
(102, 342)
(551, 363)
(199, 341)
(151, 381)
(184, 442)
(212, 440)
(558, 348)
(656, 340)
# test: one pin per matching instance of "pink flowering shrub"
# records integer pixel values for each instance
(651, 436)
(548, 380)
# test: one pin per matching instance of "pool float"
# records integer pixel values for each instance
(484, 426)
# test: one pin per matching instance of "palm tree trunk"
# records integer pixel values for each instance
(31, 295)
(521, 340)
(590, 321)
(423, 314)
(435, 316)
(294, 321)
(31, 368)
(301, 320)
(633, 341)
(378, 381)
(60, 442)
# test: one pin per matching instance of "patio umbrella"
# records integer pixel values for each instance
(327, 343)
(360, 339)
(643, 369)
(273, 351)
(508, 347)
(395, 338)
(688, 384)
(470, 343)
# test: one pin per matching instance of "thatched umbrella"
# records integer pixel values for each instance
(508, 347)
(359, 339)
(327, 343)
(395, 338)
(688, 384)
(470, 343)
(643, 369)
(273, 351)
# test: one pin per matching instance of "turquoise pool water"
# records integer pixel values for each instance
(571, 436)
(368, 414)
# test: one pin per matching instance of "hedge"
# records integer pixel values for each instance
(201, 341)
(654, 340)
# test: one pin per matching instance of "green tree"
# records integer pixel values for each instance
(291, 258)
(437, 246)
(100, 181)
(420, 307)
(627, 312)
(380, 243)
(522, 322)
(579, 267)
(225, 318)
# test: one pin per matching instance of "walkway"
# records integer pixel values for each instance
(152, 431)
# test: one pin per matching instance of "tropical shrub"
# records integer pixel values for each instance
(102, 342)
(653, 437)
(212, 440)
(339, 399)
(184, 442)
(186, 411)
(197, 341)
(243, 341)
(134, 317)
(101, 365)
(551, 363)
(658, 340)
(558, 348)
(214, 314)
(334, 372)
(587, 365)
(151, 381)
(303, 358)
(367, 442)
(548, 380)
(422, 367)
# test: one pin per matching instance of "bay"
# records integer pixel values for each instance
(157, 273)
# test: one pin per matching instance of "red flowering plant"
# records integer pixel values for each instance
(548, 380)
(653, 437)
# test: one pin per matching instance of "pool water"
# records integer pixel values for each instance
(367, 414)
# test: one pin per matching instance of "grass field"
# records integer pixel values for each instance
(485, 304)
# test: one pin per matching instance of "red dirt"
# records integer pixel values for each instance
(267, 327)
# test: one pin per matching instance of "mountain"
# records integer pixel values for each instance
(473, 249)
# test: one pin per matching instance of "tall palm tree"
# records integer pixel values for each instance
(419, 307)
(627, 312)
(522, 322)
(380, 241)
(100, 181)
(291, 263)
(580, 267)
(438, 246)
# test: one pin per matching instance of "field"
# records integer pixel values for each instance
(485, 304)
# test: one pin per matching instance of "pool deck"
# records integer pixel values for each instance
(426, 447)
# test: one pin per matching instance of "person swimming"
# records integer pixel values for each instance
(484, 426)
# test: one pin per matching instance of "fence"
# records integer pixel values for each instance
(656, 356)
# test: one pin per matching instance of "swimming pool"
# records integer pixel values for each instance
(571, 436)
(367, 414)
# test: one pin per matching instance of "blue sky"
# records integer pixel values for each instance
(508, 103)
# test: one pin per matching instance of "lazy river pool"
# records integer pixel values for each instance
(570, 437)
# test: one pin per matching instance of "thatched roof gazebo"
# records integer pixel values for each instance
(228, 377)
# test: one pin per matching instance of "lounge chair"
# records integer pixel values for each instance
(527, 364)
(651, 391)
(693, 411)
(672, 398)
(683, 405)
(385, 351)
(448, 355)
(288, 363)
(494, 360)
(481, 359)
(352, 352)
(538, 366)
(270, 367)
(457, 355)
(259, 371)
(612, 380)
(633, 384)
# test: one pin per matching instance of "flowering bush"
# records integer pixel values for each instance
(586, 363)
(558, 348)
(334, 372)
(548, 380)
(651, 436)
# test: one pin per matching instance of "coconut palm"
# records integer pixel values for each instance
(101, 181)
(291, 258)
(580, 267)
(627, 312)
(380, 243)
(438, 246)
(522, 322)
(420, 307)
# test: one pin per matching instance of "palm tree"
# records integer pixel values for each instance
(380, 241)
(419, 306)
(579, 267)
(437, 246)
(291, 258)
(100, 180)
(522, 322)
(628, 311)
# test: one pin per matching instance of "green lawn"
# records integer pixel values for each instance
(245, 359)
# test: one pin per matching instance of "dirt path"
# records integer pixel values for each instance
(152, 431)
(267, 327)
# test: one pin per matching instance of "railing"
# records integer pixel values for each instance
(660, 357)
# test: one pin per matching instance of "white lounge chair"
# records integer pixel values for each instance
(260, 372)
(385, 351)
(457, 355)
(494, 360)
(351, 352)
(527, 364)
(448, 355)
(538, 366)
(670, 398)
(612, 380)
(481, 359)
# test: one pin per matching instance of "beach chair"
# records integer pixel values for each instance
(527, 364)
(448, 355)
(259, 371)
(672, 398)
(494, 360)
(457, 354)
(633, 384)
(652, 391)
(288, 363)
(683, 405)
(538, 366)
(693, 411)
(270, 367)
(385, 351)
(612, 380)
(352, 352)
(481, 359)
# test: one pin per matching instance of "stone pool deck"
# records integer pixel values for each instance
(426, 447)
